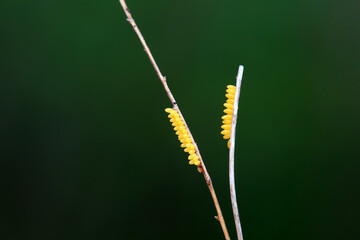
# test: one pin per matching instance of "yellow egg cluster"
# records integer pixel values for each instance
(227, 119)
(183, 136)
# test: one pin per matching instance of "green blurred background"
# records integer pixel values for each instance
(87, 149)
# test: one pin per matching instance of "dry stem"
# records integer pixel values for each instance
(201, 167)
(232, 155)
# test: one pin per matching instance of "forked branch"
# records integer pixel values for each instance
(201, 167)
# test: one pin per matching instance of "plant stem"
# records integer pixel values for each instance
(232, 155)
(162, 78)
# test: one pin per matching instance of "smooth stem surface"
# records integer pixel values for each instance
(201, 167)
(232, 155)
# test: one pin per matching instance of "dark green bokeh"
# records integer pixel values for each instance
(87, 150)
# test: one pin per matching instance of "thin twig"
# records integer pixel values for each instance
(232, 155)
(201, 167)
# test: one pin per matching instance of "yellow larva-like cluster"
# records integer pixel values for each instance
(227, 119)
(183, 136)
